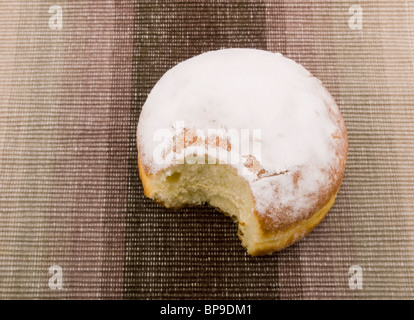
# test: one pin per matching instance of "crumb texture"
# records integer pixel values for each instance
(216, 184)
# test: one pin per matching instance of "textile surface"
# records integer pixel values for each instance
(73, 78)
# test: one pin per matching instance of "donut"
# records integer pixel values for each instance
(250, 132)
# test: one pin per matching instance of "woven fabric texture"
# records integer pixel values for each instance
(70, 196)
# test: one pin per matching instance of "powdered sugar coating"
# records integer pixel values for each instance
(303, 137)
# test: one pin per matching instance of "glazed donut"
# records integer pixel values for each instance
(250, 132)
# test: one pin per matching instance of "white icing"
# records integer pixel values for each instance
(250, 89)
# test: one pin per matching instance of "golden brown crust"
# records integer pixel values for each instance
(277, 240)
(270, 239)
(144, 179)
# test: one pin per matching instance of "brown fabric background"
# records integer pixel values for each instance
(69, 188)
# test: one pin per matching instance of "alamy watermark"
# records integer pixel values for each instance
(56, 20)
(56, 280)
(355, 281)
(355, 21)
(209, 146)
